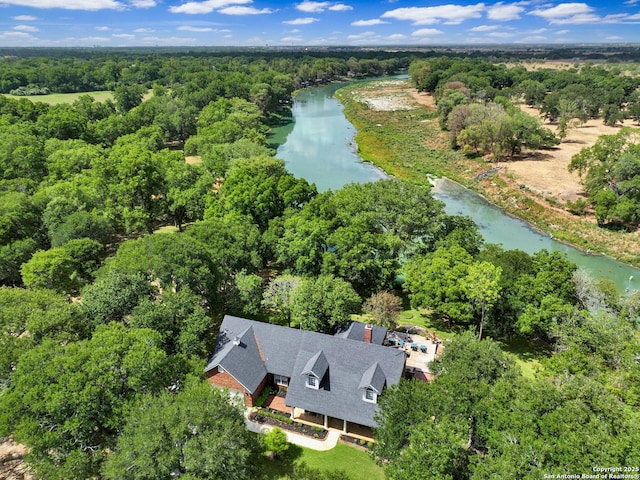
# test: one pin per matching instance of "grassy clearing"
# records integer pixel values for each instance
(55, 98)
(357, 464)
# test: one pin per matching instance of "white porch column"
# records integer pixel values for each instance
(344, 426)
(326, 422)
(293, 416)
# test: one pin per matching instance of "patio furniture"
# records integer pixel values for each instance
(392, 341)
(423, 348)
(414, 347)
(400, 342)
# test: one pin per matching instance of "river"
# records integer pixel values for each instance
(319, 146)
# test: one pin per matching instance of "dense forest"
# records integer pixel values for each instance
(118, 260)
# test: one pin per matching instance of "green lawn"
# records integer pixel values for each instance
(55, 98)
(357, 464)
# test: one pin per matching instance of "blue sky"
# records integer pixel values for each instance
(344, 22)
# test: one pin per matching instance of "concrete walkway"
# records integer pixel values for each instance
(328, 443)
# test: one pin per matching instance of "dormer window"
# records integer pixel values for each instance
(312, 382)
(370, 396)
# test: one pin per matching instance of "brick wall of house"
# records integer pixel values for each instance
(225, 380)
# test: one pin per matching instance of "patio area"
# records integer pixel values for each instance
(420, 350)
(276, 402)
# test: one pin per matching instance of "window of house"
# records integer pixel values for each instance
(370, 396)
(312, 382)
(281, 380)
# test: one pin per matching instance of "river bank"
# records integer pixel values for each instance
(408, 143)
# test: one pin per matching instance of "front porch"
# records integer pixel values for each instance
(330, 423)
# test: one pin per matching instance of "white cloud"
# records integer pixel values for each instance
(368, 23)
(361, 35)
(632, 2)
(24, 18)
(567, 13)
(501, 34)
(312, 7)
(11, 35)
(484, 28)
(340, 7)
(396, 37)
(426, 32)
(237, 10)
(102, 28)
(169, 41)
(123, 35)
(614, 37)
(503, 12)
(26, 28)
(144, 30)
(532, 39)
(208, 6)
(95, 39)
(89, 5)
(292, 39)
(301, 21)
(562, 32)
(143, 3)
(189, 28)
(451, 14)
(537, 31)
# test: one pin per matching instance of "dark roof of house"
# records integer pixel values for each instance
(373, 378)
(345, 366)
(316, 366)
(355, 331)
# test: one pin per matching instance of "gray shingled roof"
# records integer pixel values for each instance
(286, 351)
(373, 378)
(317, 365)
(355, 331)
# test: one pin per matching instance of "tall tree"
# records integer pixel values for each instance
(324, 303)
(482, 286)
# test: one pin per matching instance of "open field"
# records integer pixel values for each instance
(55, 98)
(408, 143)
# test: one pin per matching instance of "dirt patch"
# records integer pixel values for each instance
(12, 466)
(193, 160)
(393, 95)
(545, 172)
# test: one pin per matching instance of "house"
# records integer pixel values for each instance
(331, 377)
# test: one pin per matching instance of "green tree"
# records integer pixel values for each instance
(482, 287)
(324, 303)
(276, 443)
(27, 318)
(435, 281)
(179, 317)
(173, 260)
(52, 269)
(178, 434)
(262, 188)
(127, 97)
(114, 295)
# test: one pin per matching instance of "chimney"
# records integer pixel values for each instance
(368, 332)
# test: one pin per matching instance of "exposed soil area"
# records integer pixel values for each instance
(12, 466)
